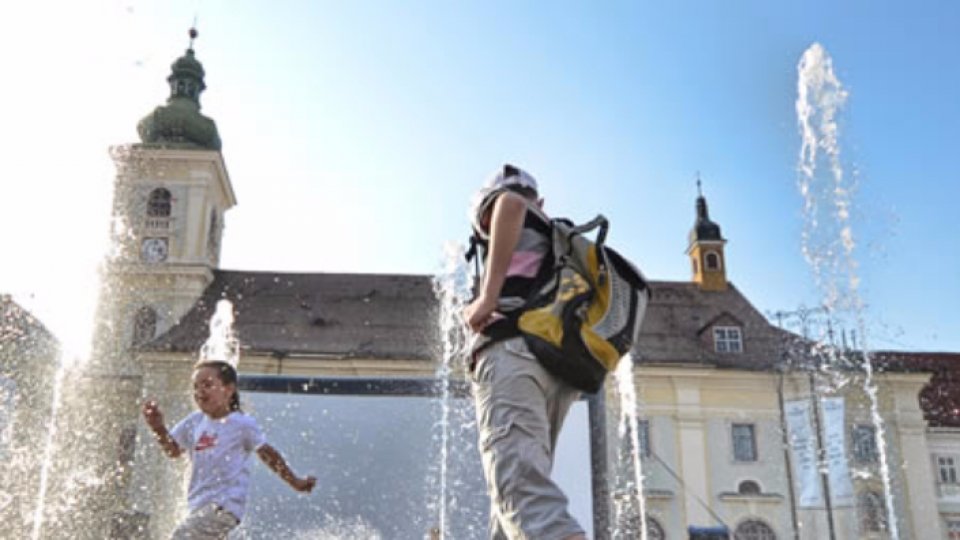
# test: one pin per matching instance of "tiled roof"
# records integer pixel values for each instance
(678, 328)
(395, 316)
(339, 315)
(940, 398)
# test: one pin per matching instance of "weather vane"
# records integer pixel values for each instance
(699, 191)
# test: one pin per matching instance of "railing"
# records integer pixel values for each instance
(949, 491)
(157, 223)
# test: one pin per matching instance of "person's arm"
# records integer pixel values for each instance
(154, 418)
(277, 464)
(506, 224)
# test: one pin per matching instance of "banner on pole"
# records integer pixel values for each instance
(834, 444)
(804, 449)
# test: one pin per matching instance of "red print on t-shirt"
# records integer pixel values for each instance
(205, 441)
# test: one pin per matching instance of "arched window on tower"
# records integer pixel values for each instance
(159, 206)
(144, 325)
(711, 261)
(754, 529)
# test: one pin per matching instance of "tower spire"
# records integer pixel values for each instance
(706, 247)
(179, 122)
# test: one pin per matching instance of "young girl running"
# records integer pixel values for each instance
(219, 438)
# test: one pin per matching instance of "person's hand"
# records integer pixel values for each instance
(152, 414)
(304, 485)
(480, 312)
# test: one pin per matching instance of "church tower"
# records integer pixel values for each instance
(706, 250)
(170, 197)
(170, 194)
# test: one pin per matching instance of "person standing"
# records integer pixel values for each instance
(520, 406)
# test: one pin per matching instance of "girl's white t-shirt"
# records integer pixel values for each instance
(219, 453)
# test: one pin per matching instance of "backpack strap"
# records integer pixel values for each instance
(599, 221)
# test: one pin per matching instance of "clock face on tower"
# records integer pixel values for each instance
(153, 250)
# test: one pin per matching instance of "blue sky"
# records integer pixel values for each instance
(356, 132)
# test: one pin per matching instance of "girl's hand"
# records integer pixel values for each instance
(480, 312)
(152, 414)
(304, 485)
(154, 418)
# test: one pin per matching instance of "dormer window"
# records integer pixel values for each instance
(727, 339)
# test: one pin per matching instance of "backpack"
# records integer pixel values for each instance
(582, 319)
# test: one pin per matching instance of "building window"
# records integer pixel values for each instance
(953, 529)
(144, 325)
(127, 445)
(744, 442)
(727, 339)
(748, 487)
(872, 515)
(864, 444)
(711, 261)
(643, 439)
(213, 234)
(754, 530)
(158, 210)
(947, 467)
(159, 203)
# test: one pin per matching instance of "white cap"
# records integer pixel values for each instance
(508, 175)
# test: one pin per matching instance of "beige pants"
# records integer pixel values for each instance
(520, 410)
(208, 523)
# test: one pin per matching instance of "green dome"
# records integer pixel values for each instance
(187, 65)
(179, 122)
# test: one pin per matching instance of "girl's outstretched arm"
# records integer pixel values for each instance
(275, 461)
(154, 418)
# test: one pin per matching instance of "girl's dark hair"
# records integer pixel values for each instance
(227, 375)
